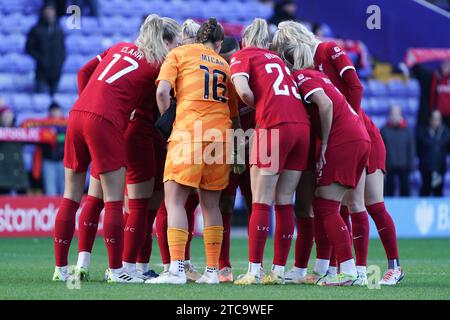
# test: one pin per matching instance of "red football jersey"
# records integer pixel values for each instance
(276, 97)
(332, 60)
(121, 80)
(347, 125)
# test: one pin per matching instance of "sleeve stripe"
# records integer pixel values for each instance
(345, 69)
(245, 74)
(310, 93)
(99, 58)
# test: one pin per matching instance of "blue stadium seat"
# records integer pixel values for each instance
(400, 101)
(90, 26)
(413, 105)
(23, 63)
(6, 82)
(32, 6)
(132, 29)
(366, 105)
(22, 102)
(110, 8)
(8, 6)
(112, 25)
(66, 101)
(193, 9)
(73, 63)
(11, 23)
(23, 82)
(74, 43)
(89, 45)
(41, 102)
(10, 62)
(380, 106)
(264, 10)
(377, 87)
(379, 121)
(68, 83)
(412, 120)
(158, 7)
(397, 87)
(413, 87)
(8, 98)
(15, 43)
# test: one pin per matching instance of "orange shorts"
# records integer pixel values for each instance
(197, 164)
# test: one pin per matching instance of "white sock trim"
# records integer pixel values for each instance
(84, 259)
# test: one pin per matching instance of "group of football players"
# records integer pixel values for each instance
(300, 99)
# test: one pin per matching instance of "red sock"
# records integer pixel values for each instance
(360, 223)
(224, 259)
(335, 227)
(304, 242)
(135, 229)
(190, 206)
(258, 230)
(284, 232)
(161, 233)
(113, 232)
(345, 214)
(386, 229)
(323, 246)
(64, 229)
(146, 250)
(125, 217)
(88, 223)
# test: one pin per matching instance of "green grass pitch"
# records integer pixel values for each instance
(26, 268)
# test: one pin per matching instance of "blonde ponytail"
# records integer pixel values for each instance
(298, 56)
(152, 34)
(256, 34)
(292, 32)
(189, 30)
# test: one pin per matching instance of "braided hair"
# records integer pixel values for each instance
(210, 31)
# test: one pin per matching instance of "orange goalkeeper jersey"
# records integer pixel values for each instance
(205, 95)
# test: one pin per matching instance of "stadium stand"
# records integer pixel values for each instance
(120, 20)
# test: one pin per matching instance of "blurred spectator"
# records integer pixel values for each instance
(433, 145)
(92, 6)
(400, 151)
(60, 6)
(13, 176)
(284, 10)
(52, 157)
(45, 43)
(435, 91)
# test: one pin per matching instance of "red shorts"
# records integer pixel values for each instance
(314, 150)
(140, 156)
(290, 152)
(91, 137)
(344, 164)
(377, 157)
(242, 181)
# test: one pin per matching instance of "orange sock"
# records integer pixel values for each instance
(177, 239)
(213, 236)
